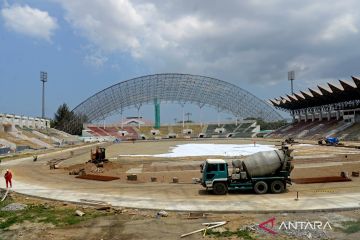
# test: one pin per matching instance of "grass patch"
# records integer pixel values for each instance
(242, 234)
(58, 216)
(351, 227)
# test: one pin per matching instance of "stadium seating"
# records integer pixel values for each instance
(210, 130)
(230, 128)
(132, 132)
(318, 129)
(352, 133)
(112, 131)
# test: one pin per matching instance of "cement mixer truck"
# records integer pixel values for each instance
(263, 172)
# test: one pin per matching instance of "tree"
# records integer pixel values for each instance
(63, 114)
(65, 120)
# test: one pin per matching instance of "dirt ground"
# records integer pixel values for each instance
(121, 223)
(309, 161)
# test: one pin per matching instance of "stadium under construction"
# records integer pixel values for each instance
(149, 165)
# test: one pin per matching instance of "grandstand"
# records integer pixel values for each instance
(19, 133)
(332, 110)
(245, 129)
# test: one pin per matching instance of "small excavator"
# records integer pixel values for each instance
(98, 157)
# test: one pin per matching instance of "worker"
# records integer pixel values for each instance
(8, 177)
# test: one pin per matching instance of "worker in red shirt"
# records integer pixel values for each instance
(8, 177)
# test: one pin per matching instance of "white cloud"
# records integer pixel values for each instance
(236, 41)
(340, 27)
(94, 57)
(29, 21)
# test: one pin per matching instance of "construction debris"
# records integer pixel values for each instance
(54, 166)
(162, 213)
(321, 180)
(79, 213)
(97, 177)
(132, 177)
(290, 140)
(5, 195)
(97, 170)
(108, 207)
(344, 174)
(14, 207)
(208, 226)
(195, 180)
(77, 171)
(196, 215)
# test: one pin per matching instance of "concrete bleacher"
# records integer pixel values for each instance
(196, 129)
(145, 131)
(246, 130)
(188, 130)
(324, 128)
(38, 137)
(112, 132)
(314, 130)
(300, 129)
(98, 131)
(352, 133)
(230, 128)
(133, 134)
(17, 142)
(210, 130)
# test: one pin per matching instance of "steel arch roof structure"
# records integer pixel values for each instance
(179, 88)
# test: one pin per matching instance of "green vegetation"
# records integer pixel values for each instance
(351, 227)
(241, 234)
(67, 121)
(58, 216)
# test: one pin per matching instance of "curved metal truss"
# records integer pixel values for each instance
(175, 88)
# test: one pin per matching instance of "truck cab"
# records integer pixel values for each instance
(215, 172)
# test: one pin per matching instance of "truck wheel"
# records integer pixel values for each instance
(260, 187)
(220, 188)
(277, 186)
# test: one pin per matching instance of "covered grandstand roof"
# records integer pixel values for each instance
(323, 95)
(175, 88)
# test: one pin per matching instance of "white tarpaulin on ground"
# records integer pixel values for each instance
(193, 149)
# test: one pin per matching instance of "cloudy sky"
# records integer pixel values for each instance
(88, 45)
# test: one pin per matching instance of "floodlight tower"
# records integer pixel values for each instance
(43, 79)
(291, 78)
